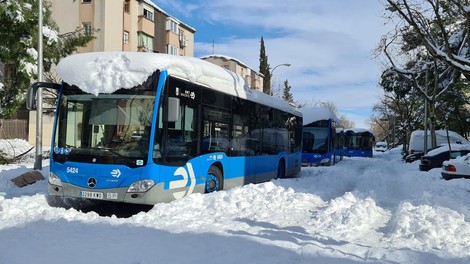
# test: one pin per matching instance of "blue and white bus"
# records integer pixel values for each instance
(146, 128)
(358, 142)
(319, 137)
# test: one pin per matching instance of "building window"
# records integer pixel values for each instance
(127, 6)
(172, 25)
(148, 14)
(145, 41)
(87, 28)
(86, 1)
(172, 50)
(126, 37)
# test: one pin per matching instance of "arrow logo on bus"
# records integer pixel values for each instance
(116, 173)
(185, 177)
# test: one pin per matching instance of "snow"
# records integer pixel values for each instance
(106, 72)
(445, 147)
(357, 130)
(313, 114)
(32, 52)
(374, 210)
(459, 160)
(225, 57)
(442, 133)
(51, 35)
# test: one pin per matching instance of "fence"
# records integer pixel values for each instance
(14, 128)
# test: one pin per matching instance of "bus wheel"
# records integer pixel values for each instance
(281, 169)
(214, 180)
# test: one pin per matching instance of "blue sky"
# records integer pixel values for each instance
(328, 43)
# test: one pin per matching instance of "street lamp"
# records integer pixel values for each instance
(283, 64)
(271, 74)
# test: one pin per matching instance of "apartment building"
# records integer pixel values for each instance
(252, 77)
(118, 25)
(124, 25)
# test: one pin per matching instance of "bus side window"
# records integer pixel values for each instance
(215, 131)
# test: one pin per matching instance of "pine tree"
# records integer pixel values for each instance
(264, 69)
(18, 48)
(287, 95)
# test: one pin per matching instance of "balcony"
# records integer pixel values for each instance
(145, 25)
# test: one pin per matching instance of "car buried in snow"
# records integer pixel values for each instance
(381, 146)
(457, 168)
(435, 158)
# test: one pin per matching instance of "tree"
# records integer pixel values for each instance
(430, 55)
(18, 48)
(287, 95)
(442, 27)
(264, 68)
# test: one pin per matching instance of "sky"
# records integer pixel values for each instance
(361, 210)
(329, 44)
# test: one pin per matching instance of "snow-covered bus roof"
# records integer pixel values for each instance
(106, 72)
(313, 114)
(357, 130)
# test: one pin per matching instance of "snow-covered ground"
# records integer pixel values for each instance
(377, 210)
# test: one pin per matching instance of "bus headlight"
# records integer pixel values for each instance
(54, 179)
(325, 160)
(141, 186)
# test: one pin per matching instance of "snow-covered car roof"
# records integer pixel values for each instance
(459, 160)
(443, 133)
(443, 148)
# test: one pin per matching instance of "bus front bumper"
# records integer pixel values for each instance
(155, 195)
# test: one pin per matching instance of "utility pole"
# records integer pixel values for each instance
(426, 113)
(38, 156)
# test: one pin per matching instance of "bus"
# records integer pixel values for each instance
(319, 137)
(146, 128)
(358, 142)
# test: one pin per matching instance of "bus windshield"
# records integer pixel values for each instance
(112, 128)
(361, 141)
(315, 137)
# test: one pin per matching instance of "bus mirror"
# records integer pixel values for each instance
(31, 97)
(173, 109)
(32, 91)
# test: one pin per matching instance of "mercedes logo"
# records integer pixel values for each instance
(92, 182)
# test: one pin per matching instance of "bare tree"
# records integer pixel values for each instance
(428, 48)
(441, 26)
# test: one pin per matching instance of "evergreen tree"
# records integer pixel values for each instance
(264, 69)
(287, 95)
(18, 48)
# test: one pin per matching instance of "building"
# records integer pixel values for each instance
(125, 25)
(252, 77)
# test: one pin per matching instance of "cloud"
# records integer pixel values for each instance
(329, 44)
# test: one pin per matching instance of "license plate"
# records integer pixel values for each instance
(111, 196)
(91, 195)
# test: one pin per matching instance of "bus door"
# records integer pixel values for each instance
(245, 148)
